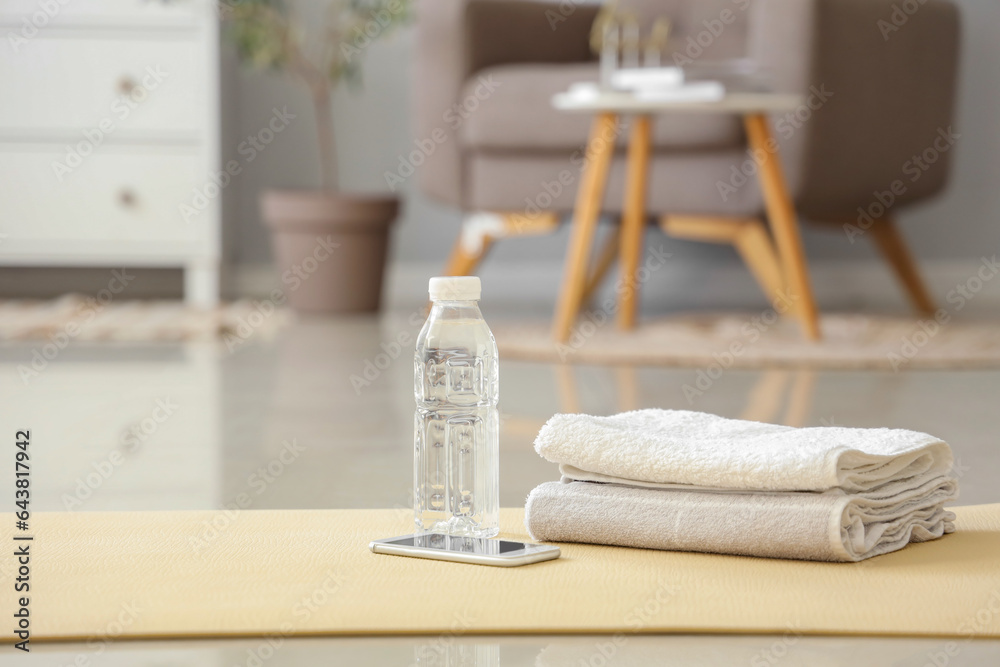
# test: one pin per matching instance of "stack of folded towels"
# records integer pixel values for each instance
(690, 481)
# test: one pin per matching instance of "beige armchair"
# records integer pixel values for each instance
(487, 69)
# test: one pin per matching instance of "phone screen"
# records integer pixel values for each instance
(473, 545)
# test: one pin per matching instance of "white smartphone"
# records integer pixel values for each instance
(480, 551)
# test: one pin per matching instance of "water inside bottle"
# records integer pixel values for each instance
(456, 424)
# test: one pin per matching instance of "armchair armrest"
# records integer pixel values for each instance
(504, 32)
(892, 77)
(457, 38)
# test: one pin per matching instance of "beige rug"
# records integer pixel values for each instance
(76, 317)
(757, 340)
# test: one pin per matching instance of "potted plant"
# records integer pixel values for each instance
(306, 224)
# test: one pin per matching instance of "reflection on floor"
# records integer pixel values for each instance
(774, 389)
(789, 648)
(322, 417)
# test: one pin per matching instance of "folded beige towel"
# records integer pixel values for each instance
(830, 526)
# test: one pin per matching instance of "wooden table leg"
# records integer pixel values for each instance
(633, 219)
(600, 148)
(784, 225)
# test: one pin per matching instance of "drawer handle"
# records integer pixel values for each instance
(126, 85)
(127, 198)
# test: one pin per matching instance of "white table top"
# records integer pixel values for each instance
(733, 102)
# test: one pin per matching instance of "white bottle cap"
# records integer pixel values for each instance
(455, 288)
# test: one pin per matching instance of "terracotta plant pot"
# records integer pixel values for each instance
(330, 248)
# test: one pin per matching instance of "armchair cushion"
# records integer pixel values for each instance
(507, 108)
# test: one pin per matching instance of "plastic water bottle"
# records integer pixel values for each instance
(456, 462)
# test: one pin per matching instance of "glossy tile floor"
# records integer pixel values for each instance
(159, 427)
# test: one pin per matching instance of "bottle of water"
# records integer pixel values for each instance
(456, 461)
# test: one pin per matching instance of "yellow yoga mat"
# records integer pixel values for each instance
(189, 574)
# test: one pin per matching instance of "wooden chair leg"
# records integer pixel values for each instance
(893, 248)
(605, 260)
(463, 262)
(784, 225)
(485, 228)
(522, 224)
(634, 218)
(601, 147)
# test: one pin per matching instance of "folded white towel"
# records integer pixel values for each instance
(831, 526)
(689, 450)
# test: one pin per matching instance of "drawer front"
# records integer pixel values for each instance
(114, 195)
(113, 86)
(45, 13)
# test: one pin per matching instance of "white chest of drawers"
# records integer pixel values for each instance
(109, 133)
